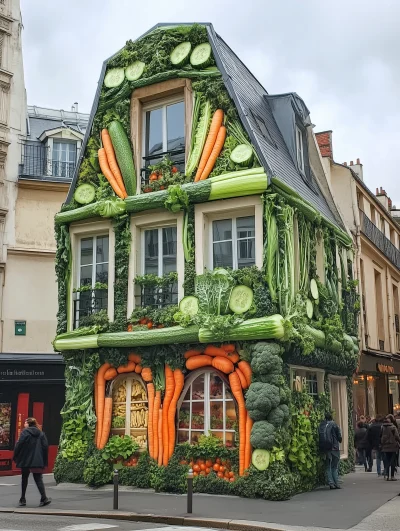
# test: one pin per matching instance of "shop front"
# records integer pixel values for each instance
(376, 388)
(30, 385)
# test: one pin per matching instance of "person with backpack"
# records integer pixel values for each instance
(362, 445)
(390, 443)
(374, 438)
(330, 438)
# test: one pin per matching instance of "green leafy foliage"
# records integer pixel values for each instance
(276, 483)
(63, 272)
(97, 471)
(137, 476)
(119, 447)
(177, 199)
(122, 250)
(67, 471)
(215, 92)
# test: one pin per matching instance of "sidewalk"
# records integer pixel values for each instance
(361, 495)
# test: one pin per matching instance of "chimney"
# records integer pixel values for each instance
(382, 197)
(324, 140)
(358, 169)
(76, 106)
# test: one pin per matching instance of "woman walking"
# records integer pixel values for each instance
(31, 455)
(390, 442)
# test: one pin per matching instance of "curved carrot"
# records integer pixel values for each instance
(195, 362)
(138, 369)
(189, 353)
(219, 144)
(129, 367)
(96, 392)
(150, 430)
(160, 437)
(242, 378)
(215, 126)
(245, 367)
(106, 423)
(112, 161)
(247, 449)
(169, 392)
(237, 392)
(156, 411)
(101, 393)
(179, 381)
(210, 350)
(229, 347)
(134, 357)
(223, 364)
(147, 374)
(110, 374)
(234, 357)
(105, 170)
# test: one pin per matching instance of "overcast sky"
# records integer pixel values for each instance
(341, 57)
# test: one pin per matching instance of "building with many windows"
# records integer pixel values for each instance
(376, 237)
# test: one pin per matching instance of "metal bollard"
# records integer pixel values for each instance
(190, 491)
(115, 481)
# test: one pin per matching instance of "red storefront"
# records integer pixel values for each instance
(31, 385)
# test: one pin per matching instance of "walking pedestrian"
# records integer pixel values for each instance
(362, 445)
(330, 438)
(390, 442)
(31, 455)
(393, 421)
(374, 438)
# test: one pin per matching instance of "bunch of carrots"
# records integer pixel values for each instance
(213, 146)
(109, 165)
(224, 359)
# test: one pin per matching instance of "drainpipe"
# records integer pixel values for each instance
(390, 313)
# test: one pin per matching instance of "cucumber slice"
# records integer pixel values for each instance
(201, 56)
(189, 306)
(309, 308)
(241, 299)
(180, 55)
(314, 289)
(134, 71)
(84, 194)
(242, 154)
(260, 459)
(114, 77)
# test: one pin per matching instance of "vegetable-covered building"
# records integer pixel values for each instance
(207, 313)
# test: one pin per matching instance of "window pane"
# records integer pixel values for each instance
(222, 254)
(86, 276)
(216, 387)
(184, 416)
(217, 416)
(222, 230)
(230, 419)
(245, 229)
(198, 388)
(102, 273)
(176, 126)
(169, 250)
(102, 249)
(151, 251)
(154, 128)
(86, 251)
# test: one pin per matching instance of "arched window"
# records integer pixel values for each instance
(130, 408)
(207, 406)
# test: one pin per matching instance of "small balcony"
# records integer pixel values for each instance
(377, 237)
(157, 297)
(177, 156)
(87, 303)
(37, 164)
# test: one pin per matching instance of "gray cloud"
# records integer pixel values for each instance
(341, 57)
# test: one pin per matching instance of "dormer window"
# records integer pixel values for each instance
(63, 158)
(299, 149)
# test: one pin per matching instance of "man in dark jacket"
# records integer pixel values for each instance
(330, 438)
(31, 455)
(374, 439)
(362, 445)
(390, 442)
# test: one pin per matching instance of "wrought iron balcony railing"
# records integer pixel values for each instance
(177, 156)
(371, 231)
(36, 162)
(157, 297)
(87, 303)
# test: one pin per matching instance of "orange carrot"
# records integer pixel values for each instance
(106, 423)
(242, 378)
(150, 428)
(160, 437)
(229, 347)
(110, 374)
(195, 362)
(134, 357)
(210, 350)
(234, 357)
(156, 411)
(179, 381)
(112, 161)
(147, 374)
(129, 367)
(105, 170)
(138, 369)
(237, 392)
(247, 449)
(190, 353)
(211, 138)
(101, 392)
(169, 392)
(219, 144)
(244, 366)
(223, 364)
(96, 406)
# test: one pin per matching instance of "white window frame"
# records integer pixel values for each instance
(299, 149)
(341, 418)
(206, 213)
(304, 371)
(160, 104)
(207, 404)
(139, 223)
(94, 262)
(58, 159)
(160, 246)
(87, 230)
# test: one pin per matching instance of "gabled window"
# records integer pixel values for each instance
(63, 158)
(299, 149)
(233, 242)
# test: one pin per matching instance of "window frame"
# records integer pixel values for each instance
(307, 370)
(89, 229)
(300, 149)
(94, 262)
(160, 246)
(69, 165)
(343, 420)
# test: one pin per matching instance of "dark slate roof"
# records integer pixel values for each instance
(251, 98)
(41, 119)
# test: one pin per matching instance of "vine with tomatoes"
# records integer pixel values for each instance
(163, 174)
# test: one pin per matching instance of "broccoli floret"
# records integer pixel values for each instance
(262, 435)
(285, 395)
(279, 415)
(273, 379)
(286, 412)
(260, 399)
(266, 358)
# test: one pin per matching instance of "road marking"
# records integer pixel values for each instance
(7, 485)
(85, 527)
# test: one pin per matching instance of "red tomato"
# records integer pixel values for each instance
(220, 475)
(200, 461)
(218, 460)
(232, 479)
(216, 467)
(231, 474)
(209, 463)
(196, 468)
(153, 177)
(149, 325)
(208, 470)
(222, 468)
(195, 474)
(203, 473)
(174, 169)
(202, 466)
(162, 187)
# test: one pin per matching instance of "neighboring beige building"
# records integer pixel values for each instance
(376, 236)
